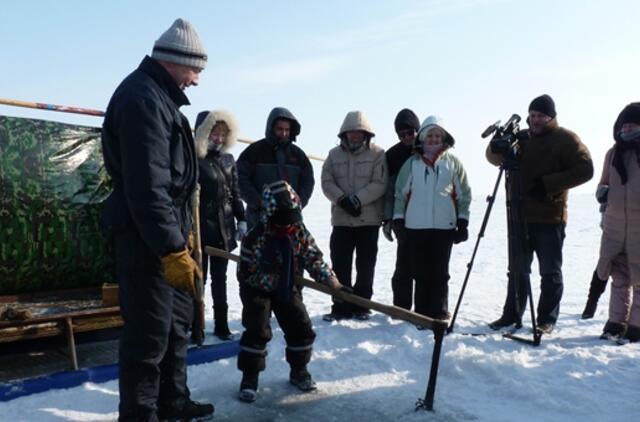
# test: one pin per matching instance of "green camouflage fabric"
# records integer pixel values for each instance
(52, 186)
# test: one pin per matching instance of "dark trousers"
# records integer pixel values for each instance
(293, 318)
(218, 275)
(546, 241)
(402, 279)
(344, 241)
(153, 345)
(430, 254)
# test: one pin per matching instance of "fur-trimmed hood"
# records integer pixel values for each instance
(205, 122)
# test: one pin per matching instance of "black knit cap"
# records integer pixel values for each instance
(406, 119)
(544, 104)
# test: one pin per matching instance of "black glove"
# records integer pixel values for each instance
(347, 204)
(398, 225)
(602, 194)
(538, 191)
(461, 234)
(386, 230)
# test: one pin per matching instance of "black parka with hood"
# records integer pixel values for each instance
(268, 160)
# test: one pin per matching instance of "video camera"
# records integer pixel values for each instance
(506, 138)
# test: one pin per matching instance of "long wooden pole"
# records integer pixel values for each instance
(392, 311)
(52, 107)
(89, 112)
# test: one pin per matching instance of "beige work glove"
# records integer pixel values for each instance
(181, 271)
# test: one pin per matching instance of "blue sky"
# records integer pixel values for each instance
(471, 62)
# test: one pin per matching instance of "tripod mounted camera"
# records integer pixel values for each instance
(505, 141)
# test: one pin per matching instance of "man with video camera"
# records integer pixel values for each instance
(551, 160)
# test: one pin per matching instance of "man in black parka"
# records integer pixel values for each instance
(150, 155)
(406, 125)
(274, 158)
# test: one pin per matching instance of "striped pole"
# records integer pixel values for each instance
(89, 112)
(52, 107)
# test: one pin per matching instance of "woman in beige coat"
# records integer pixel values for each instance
(354, 179)
(620, 244)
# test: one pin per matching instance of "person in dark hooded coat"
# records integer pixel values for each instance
(274, 158)
(406, 125)
(220, 204)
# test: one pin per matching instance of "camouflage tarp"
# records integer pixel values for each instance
(52, 185)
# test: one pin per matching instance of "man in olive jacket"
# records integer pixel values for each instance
(274, 158)
(150, 155)
(552, 161)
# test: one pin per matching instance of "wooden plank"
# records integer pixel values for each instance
(61, 316)
(52, 329)
(392, 311)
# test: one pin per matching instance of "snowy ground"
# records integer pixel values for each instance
(376, 370)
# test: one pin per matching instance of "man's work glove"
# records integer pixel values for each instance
(181, 271)
(538, 191)
(386, 230)
(241, 230)
(349, 205)
(461, 234)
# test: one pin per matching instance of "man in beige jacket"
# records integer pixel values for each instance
(354, 179)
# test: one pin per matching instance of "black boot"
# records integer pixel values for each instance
(505, 321)
(595, 291)
(613, 330)
(221, 325)
(248, 387)
(633, 333)
(190, 411)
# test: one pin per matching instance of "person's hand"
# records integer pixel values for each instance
(602, 194)
(346, 203)
(462, 233)
(180, 271)
(386, 230)
(398, 225)
(334, 283)
(241, 230)
(191, 242)
(538, 191)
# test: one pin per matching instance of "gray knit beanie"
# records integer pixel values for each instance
(180, 44)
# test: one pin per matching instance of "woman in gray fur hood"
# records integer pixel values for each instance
(220, 204)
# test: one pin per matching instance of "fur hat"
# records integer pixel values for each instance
(544, 104)
(205, 122)
(180, 44)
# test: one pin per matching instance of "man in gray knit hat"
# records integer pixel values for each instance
(149, 153)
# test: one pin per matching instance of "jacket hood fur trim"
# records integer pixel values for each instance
(203, 129)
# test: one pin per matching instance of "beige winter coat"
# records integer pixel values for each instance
(362, 173)
(621, 225)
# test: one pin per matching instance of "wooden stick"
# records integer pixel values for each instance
(392, 311)
(52, 107)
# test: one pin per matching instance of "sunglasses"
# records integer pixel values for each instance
(405, 133)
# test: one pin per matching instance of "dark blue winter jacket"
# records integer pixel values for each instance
(149, 153)
(267, 161)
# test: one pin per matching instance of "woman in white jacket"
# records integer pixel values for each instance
(432, 198)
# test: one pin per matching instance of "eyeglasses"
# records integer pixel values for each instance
(405, 133)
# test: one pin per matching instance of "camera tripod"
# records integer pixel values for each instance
(519, 282)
